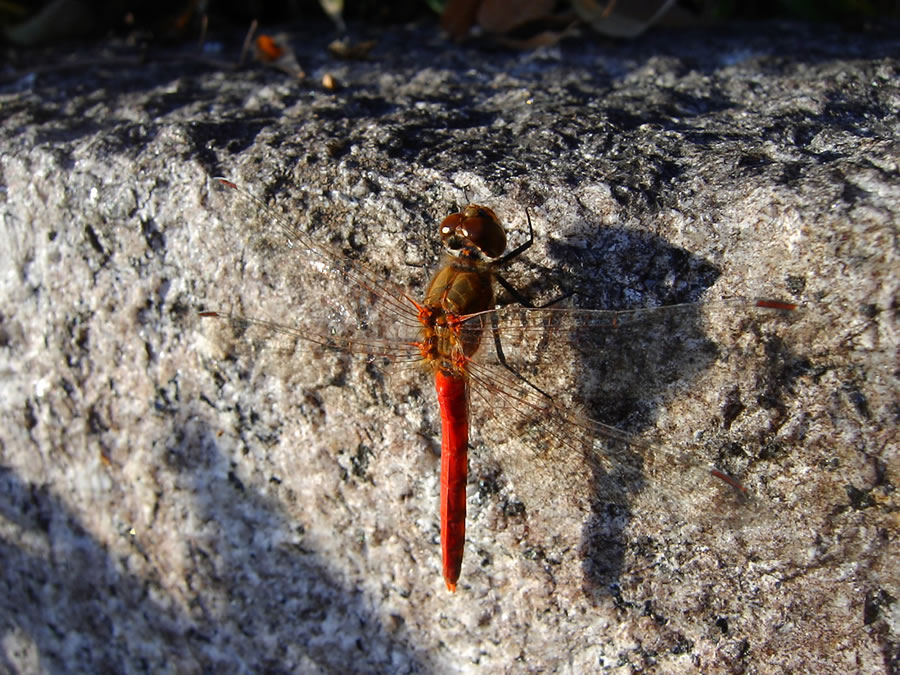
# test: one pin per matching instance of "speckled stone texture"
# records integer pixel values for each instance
(176, 498)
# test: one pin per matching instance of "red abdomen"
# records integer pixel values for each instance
(452, 392)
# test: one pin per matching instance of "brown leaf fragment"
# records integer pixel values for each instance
(267, 50)
(329, 82)
(622, 19)
(459, 17)
(275, 51)
(344, 49)
(503, 16)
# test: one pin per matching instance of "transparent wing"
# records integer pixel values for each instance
(569, 394)
(334, 303)
(567, 383)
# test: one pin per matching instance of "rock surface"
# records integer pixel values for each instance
(177, 500)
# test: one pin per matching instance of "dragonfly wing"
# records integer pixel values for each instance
(619, 366)
(584, 388)
(612, 365)
(304, 290)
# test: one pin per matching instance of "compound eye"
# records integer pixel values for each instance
(449, 230)
(449, 224)
(476, 227)
(482, 227)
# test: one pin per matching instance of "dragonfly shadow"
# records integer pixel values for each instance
(626, 374)
(225, 590)
(277, 586)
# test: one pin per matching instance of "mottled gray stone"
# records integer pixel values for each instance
(175, 500)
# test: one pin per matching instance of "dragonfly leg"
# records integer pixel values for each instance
(519, 250)
(498, 346)
(508, 287)
(522, 300)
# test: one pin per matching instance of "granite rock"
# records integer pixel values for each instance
(179, 498)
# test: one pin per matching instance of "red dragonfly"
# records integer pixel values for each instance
(471, 347)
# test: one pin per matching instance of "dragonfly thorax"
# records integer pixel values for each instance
(449, 333)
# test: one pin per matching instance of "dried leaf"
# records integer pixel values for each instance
(329, 82)
(334, 9)
(521, 24)
(344, 49)
(267, 50)
(542, 39)
(459, 17)
(622, 19)
(276, 52)
(503, 16)
(59, 20)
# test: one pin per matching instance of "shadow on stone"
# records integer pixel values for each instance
(250, 598)
(628, 371)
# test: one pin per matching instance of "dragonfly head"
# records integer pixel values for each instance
(476, 231)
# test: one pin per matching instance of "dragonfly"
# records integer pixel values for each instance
(476, 351)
